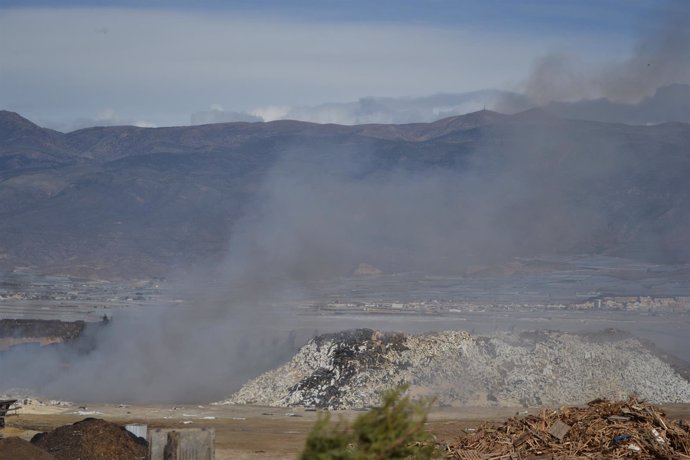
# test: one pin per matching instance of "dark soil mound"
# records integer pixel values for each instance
(92, 439)
(67, 330)
(19, 449)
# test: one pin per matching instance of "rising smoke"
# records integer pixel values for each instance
(322, 211)
(319, 213)
(661, 57)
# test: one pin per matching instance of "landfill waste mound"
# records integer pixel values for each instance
(18, 449)
(351, 369)
(603, 429)
(92, 439)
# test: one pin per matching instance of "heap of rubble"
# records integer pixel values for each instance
(27, 398)
(92, 439)
(603, 429)
(351, 369)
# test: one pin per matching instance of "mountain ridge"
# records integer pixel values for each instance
(129, 201)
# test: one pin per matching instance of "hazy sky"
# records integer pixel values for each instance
(74, 63)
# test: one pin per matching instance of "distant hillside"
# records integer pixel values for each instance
(127, 201)
(23, 145)
(668, 103)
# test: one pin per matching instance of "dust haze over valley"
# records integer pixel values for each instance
(251, 237)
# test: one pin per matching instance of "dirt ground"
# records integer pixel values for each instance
(249, 432)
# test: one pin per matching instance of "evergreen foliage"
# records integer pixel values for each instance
(395, 430)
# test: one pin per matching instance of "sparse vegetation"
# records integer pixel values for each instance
(395, 430)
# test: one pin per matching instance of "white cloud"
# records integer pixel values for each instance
(217, 115)
(106, 115)
(144, 124)
(394, 110)
(158, 64)
(271, 112)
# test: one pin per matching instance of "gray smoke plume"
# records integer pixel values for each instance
(322, 210)
(661, 57)
(530, 186)
(318, 213)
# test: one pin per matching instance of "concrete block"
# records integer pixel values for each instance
(182, 444)
(137, 429)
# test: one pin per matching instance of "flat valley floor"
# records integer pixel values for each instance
(248, 432)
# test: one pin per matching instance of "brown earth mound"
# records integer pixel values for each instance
(621, 429)
(19, 449)
(92, 439)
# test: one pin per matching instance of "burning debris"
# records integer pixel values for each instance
(619, 429)
(351, 369)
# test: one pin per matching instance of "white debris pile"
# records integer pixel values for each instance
(350, 370)
(26, 398)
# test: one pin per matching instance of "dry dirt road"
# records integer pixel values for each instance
(249, 432)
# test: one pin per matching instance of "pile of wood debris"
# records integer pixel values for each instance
(603, 429)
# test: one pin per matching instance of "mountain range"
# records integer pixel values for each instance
(665, 104)
(322, 198)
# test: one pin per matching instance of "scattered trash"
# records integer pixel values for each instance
(614, 429)
(620, 438)
(634, 448)
(87, 412)
(657, 436)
